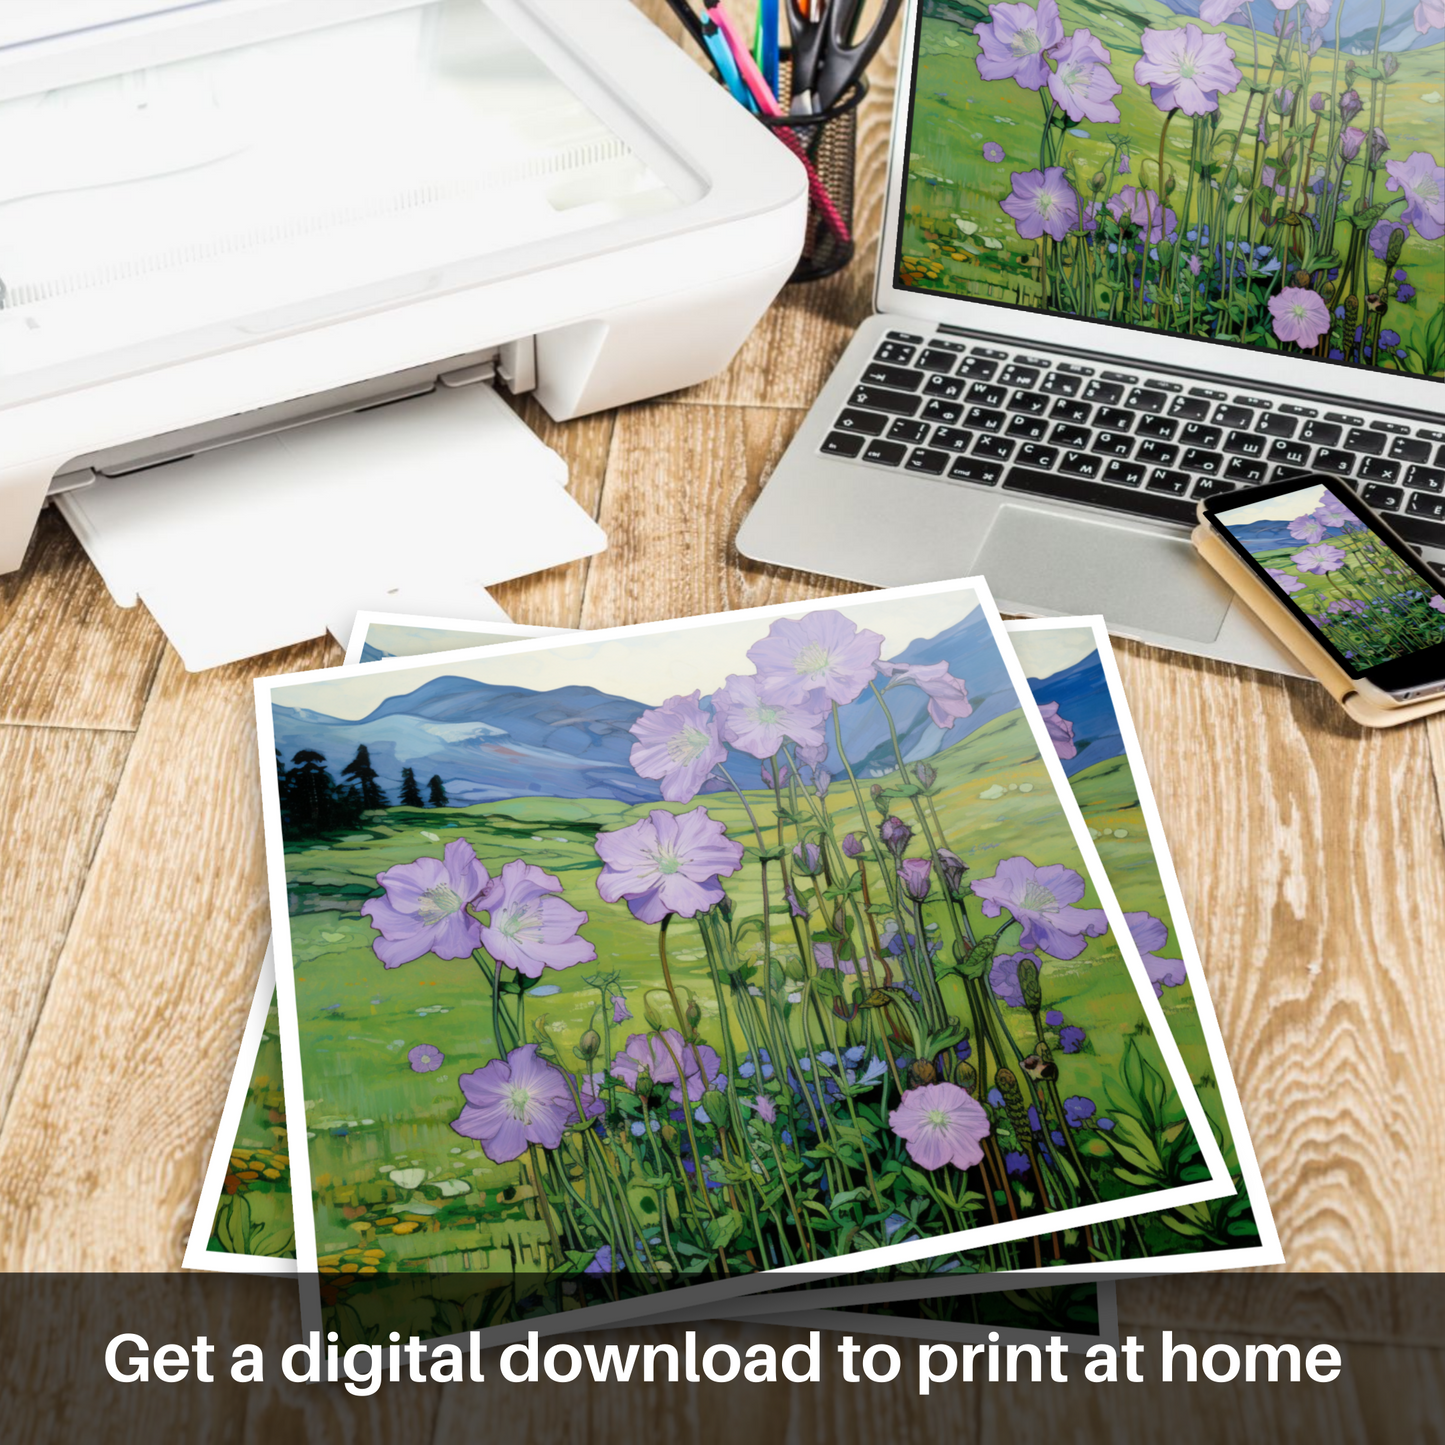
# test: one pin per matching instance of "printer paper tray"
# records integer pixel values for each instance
(417, 506)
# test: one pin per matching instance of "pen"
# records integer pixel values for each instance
(724, 57)
(765, 42)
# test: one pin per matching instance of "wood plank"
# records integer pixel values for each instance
(69, 657)
(554, 598)
(679, 482)
(1314, 871)
(56, 786)
(116, 1106)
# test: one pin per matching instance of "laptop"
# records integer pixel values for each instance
(1066, 355)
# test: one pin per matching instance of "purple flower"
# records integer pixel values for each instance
(1319, 560)
(947, 695)
(1003, 977)
(852, 846)
(1071, 1039)
(1193, 263)
(667, 863)
(896, 835)
(620, 1012)
(807, 859)
(1350, 106)
(1186, 68)
(1053, 1018)
(760, 724)
(1308, 528)
(952, 867)
(1351, 139)
(1082, 84)
(822, 781)
(1042, 899)
(1011, 44)
(1285, 581)
(660, 1056)
(1423, 180)
(825, 956)
(1318, 101)
(424, 1059)
(1347, 604)
(1041, 203)
(941, 1123)
(677, 742)
(915, 874)
(1299, 315)
(1216, 12)
(602, 1262)
(1429, 15)
(1378, 146)
(1016, 1163)
(1149, 935)
(530, 928)
(1437, 602)
(992, 152)
(517, 1101)
(1124, 164)
(784, 773)
(425, 907)
(1144, 209)
(1332, 512)
(1283, 99)
(1060, 730)
(822, 651)
(767, 1110)
(1317, 14)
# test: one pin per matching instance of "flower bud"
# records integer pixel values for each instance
(643, 1089)
(1013, 1103)
(852, 846)
(1028, 975)
(792, 967)
(1396, 245)
(692, 1013)
(1098, 180)
(968, 1077)
(1044, 1070)
(1389, 64)
(921, 1073)
(1170, 184)
(915, 874)
(1318, 101)
(1350, 103)
(926, 775)
(822, 781)
(1378, 146)
(588, 1045)
(807, 860)
(953, 868)
(896, 835)
(670, 1138)
(651, 1012)
(1351, 139)
(715, 1105)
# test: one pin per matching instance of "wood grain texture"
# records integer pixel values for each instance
(69, 657)
(56, 786)
(115, 1108)
(679, 482)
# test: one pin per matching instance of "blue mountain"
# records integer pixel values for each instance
(1273, 533)
(488, 742)
(1357, 25)
(1082, 694)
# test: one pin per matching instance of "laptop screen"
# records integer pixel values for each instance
(1252, 175)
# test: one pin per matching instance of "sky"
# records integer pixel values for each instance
(1283, 508)
(1045, 653)
(694, 653)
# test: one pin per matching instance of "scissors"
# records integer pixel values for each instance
(828, 56)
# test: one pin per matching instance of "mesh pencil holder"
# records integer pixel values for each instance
(827, 145)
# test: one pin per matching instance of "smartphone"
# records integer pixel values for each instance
(1337, 566)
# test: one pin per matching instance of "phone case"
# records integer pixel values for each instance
(1298, 638)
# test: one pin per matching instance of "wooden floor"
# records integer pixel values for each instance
(133, 910)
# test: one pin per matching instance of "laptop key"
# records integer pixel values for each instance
(948, 387)
(1060, 383)
(1382, 498)
(1272, 424)
(1409, 449)
(1196, 459)
(970, 469)
(1071, 411)
(1233, 415)
(1421, 504)
(1371, 443)
(1378, 469)
(1243, 469)
(1112, 444)
(906, 429)
(1189, 408)
(1161, 427)
(978, 367)
(1099, 494)
(995, 448)
(1161, 479)
(1015, 375)
(1035, 403)
(1440, 457)
(878, 374)
(1328, 459)
(877, 398)
(1081, 464)
(1032, 428)
(1031, 455)
(1426, 479)
(1070, 436)
(953, 438)
(1156, 454)
(867, 422)
(1142, 398)
(933, 359)
(1244, 444)
(1289, 453)
(1322, 433)
(985, 395)
(945, 411)
(981, 419)
(1124, 474)
(924, 459)
(895, 353)
(1195, 435)
(1113, 418)
(905, 336)
(843, 444)
(1107, 392)
(1213, 486)
(886, 454)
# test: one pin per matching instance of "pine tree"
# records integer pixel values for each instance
(283, 785)
(410, 793)
(310, 793)
(436, 791)
(359, 769)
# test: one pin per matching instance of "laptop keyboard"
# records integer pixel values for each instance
(1141, 444)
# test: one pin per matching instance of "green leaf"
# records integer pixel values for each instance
(975, 962)
(762, 855)
(725, 1228)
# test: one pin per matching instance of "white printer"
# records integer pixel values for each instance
(233, 231)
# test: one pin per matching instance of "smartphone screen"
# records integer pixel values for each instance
(1358, 587)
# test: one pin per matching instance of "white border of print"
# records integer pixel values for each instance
(502, 629)
(1218, 1184)
(197, 1256)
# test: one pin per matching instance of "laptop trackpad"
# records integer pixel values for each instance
(1071, 564)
